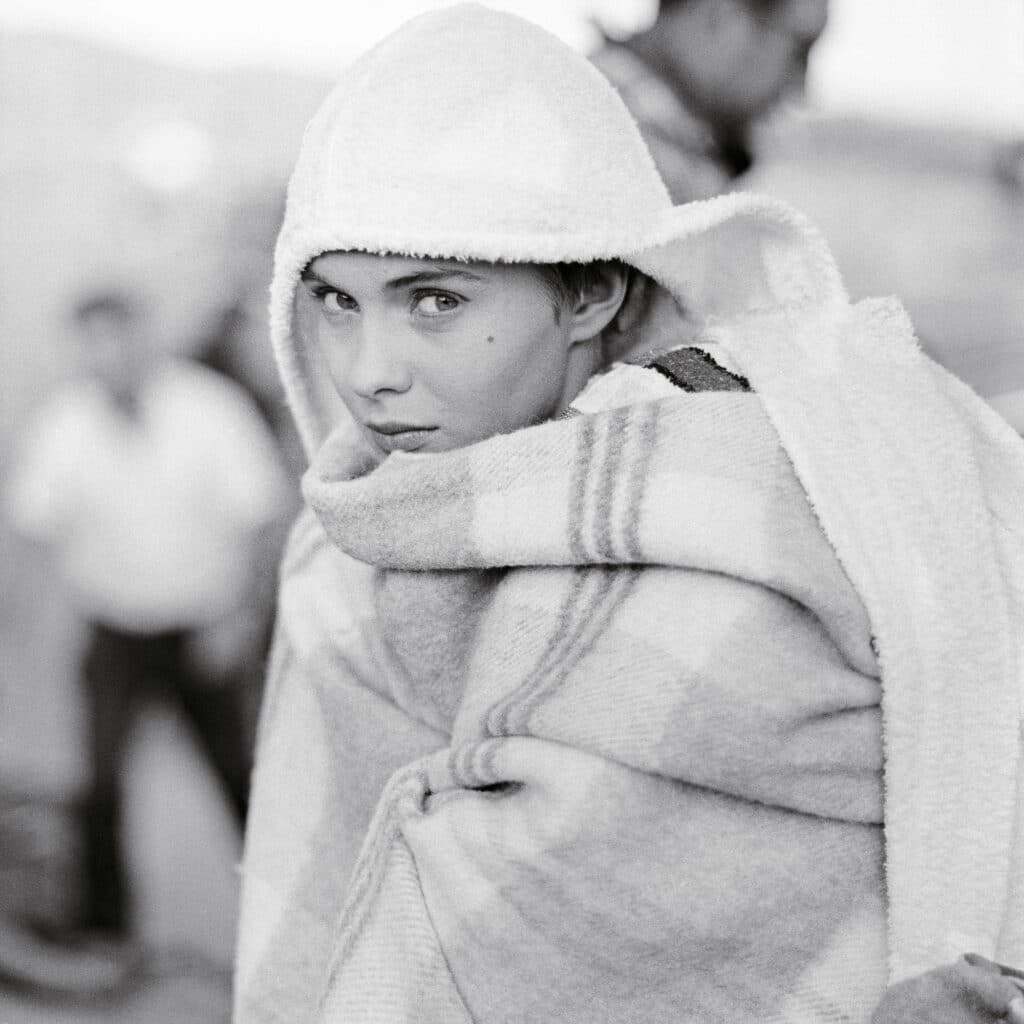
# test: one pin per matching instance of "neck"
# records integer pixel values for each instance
(585, 359)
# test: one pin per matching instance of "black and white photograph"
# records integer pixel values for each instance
(512, 512)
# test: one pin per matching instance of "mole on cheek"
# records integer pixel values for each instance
(490, 338)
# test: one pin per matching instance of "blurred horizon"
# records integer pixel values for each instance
(937, 61)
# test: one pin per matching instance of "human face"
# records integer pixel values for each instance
(751, 54)
(429, 355)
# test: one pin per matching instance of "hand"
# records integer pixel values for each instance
(971, 991)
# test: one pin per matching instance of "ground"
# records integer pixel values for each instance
(182, 845)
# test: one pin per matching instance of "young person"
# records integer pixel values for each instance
(702, 74)
(588, 686)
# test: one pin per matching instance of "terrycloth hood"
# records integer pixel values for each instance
(472, 134)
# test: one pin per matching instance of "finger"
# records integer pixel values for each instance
(1015, 1011)
(982, 985)
(977, 960)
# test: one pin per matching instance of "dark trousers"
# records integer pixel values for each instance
(120, 673)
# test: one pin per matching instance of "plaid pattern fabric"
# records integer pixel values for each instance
(578, 724)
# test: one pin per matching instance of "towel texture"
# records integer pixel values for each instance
(920, 488)
(692, 706)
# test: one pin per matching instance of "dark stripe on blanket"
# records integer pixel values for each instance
(644, 424)
(692, 369)
(592, 601)
(578, 490)
(406, 786)
(567, 625)
(461, 765)
(612, 455)
(471, 765)
(608, 479)
(614, 593)
(602, 486)
(823, 1006)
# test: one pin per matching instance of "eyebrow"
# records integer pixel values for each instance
(398, 283)
(428, 276)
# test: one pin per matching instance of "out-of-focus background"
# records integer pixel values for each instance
(152, 142)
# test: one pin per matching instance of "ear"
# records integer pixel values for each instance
(596, 307)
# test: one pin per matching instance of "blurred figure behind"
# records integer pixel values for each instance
(703, 74)
(158, 492)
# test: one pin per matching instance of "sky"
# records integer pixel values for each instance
(946, 61)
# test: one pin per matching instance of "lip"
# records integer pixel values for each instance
(392, 436)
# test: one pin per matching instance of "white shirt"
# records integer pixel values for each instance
(154, 519)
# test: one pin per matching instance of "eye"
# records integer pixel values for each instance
(332, 300)
(338, 302)
(436, 303)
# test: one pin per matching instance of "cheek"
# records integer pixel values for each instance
(329, 354)
(327, 349)
(523, 375)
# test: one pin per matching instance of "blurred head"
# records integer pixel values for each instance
(733, 60)
(433, 354)
(113, 346)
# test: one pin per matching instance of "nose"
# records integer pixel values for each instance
(379, 363)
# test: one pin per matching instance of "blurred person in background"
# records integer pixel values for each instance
(234, 341)
(159, 492)
(236, 347)
(703, 74)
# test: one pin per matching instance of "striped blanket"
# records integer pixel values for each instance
(577, 724)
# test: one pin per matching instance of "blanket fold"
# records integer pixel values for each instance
(648, 777)
(919, 487)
